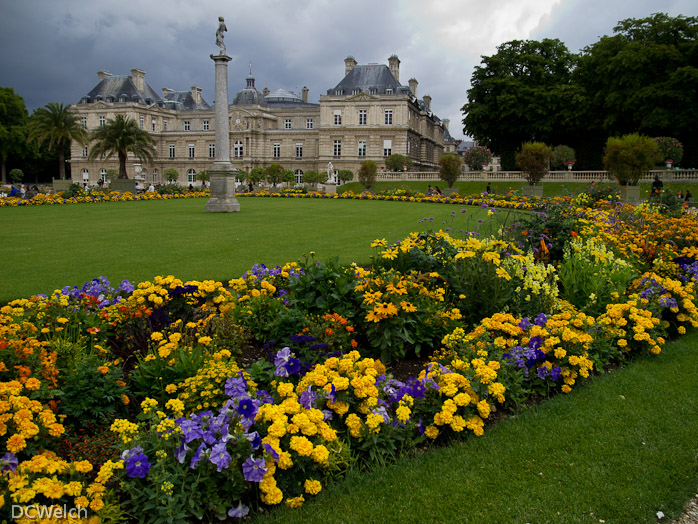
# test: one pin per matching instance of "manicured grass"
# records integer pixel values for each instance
(617, 450)
(48, 247)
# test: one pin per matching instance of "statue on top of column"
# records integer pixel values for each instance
(219, 34)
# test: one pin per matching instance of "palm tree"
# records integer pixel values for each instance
(56, 125)
(121, 136)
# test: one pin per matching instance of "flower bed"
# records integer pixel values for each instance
(158, 372)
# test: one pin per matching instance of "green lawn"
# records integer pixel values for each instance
(615, 451)
(48, 247)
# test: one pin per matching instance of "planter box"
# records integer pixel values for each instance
(61, 185)
(630, 194)
(122, 185)
(530, 191)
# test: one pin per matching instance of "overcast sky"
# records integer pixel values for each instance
(51, 50)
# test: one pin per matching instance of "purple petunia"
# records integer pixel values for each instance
(239, 511)
(236, 387)
(137, 466)
(253, 469)
(254, 438)
(9, 462)
(271, 451)
(307, 398)
(246, 408)
(220, 456)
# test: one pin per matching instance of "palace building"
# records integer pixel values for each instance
(368, 115)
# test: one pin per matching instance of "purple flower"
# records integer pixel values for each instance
(181, 453)
(202, 450)
(307, 398)
(255, 439)
(137, 466)
(246, 408)
(541, 320)
(556, 373)
(239, 511)
(236, 387)
(128, 453)
(542, 372)
(525, 324)
(220, 456)
(9, 462)
(271, 451)
(253, 469)
(190, 430)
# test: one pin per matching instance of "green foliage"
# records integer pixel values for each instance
(397, 162)
(596, 193)
(92, 392)
(476, 157)
(256, 175)
(274, 173)
(533, 159)
(288, 176)
(121, 136)
(203, 176)
(591, 276)
(670, 148)
(450, 168)
(16, 175)
(112, 174)
(345, 175)
(367, 173)
(561, 155)
(171, 175)
(57, 127)
(554, 227)
(13, 119)
(629, 156)
(313, 177)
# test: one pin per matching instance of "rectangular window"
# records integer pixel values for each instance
(362, 117)
(212, 150)
(141, 121)
(186, 125)
(102, 121)
(191, 177)
(276, 150)
(237, 149)
(337, 148)
(153, 123)
(299, 149)
(308, 123)
(287, 123)
(389, 91)
(84, 151)
(387, 147)
(83, 122)
(172, 151)
(191, 150)
(388, 117)
(205, 125)
(164, 124)
(362, 148)
(338, 117)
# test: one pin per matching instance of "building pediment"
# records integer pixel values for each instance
(362, 97)
(101, 105)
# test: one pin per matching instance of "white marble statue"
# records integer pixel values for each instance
(219, 34)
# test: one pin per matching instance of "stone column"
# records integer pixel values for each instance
(222, 171)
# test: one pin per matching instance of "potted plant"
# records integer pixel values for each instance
(627, 158)
(534, 160)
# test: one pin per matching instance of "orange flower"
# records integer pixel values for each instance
(93, 330)
(103, 370)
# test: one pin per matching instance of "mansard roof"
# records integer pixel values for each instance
(183, 100)
(369, 78)
(120, 88)
(285, 98)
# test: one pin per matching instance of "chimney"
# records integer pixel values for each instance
(165, 91)
(101, 75)
(349, 64)
(196, 95)
(394, 65)
(427, 101)
(305, 94)
(413, 86)
(265, 91)
(446, 122)
(138, 77)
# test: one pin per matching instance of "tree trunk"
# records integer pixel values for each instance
(2, 168)
(61, 163)
(122, 165)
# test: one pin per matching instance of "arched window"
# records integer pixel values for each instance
(191, 176)
(237, 149)
(103, 175)
(299, 176)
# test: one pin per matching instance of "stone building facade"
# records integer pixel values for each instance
(368, 115)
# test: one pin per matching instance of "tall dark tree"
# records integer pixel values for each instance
(644, 79)
(120, 136)
(54, 125)
(13, 119)
(523, 93)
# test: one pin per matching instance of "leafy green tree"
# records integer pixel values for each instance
(203, 176)
(476, 157)
(629, 156)
(313, 178)
(170, 174)
(561, 155)
(121, 136)
(523, 93)
(368, 173)
(450, 168)
(644, 79)
(57, 127)
(345, 175)
(112, 174)
(289, 177)
(13, 119)
(274, 174)
(398, 162)
(670, 148)
(534, 160)
(256, 175)
(16, 175)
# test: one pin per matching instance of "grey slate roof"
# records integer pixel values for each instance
(369, 77)
(121, 89)
(284, 98)
(183, 100)
(249, 95)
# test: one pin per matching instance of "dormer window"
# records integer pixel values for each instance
(373, 91)
(389, 91)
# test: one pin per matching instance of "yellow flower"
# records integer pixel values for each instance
(312, 487)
